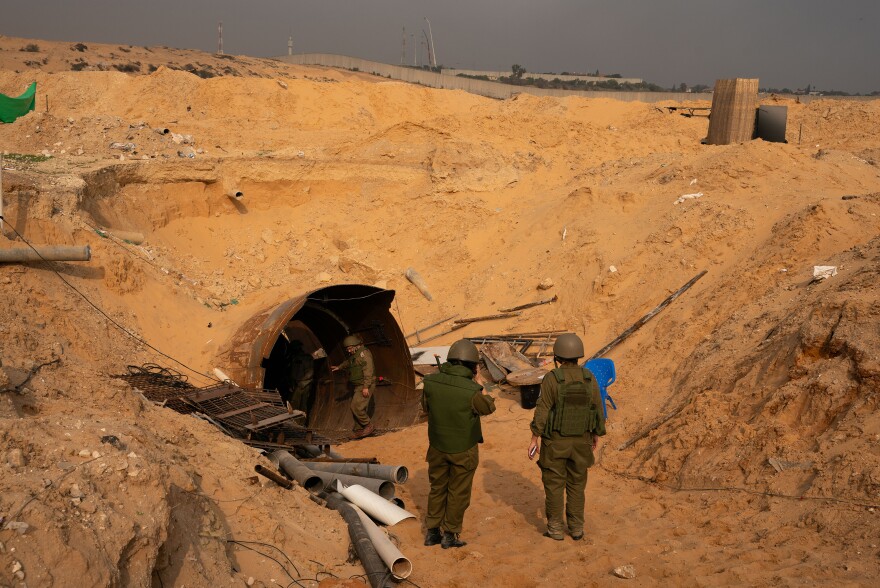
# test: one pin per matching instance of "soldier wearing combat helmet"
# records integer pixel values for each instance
(569, 421)
(362, 376)
(454, 403)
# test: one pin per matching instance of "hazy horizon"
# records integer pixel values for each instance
(786, 43)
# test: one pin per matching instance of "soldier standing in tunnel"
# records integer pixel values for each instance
(454, 403)
(362, 376)
(301, 372)
(569, 421)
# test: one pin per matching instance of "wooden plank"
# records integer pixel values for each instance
(637, 325)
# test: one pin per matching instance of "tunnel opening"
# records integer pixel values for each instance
(262, 354)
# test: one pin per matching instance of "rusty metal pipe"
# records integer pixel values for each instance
(47, 253)
(274, 476)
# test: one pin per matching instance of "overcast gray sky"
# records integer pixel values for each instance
(830, 44)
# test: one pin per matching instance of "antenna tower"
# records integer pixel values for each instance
(403, 48)
(220, 38)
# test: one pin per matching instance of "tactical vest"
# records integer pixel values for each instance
(356, 364)
(452, 425)
(575, 411)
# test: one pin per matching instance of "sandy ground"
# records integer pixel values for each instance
(352, 179)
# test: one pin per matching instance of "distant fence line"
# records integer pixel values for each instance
(499, 90)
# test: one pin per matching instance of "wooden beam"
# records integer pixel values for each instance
(637, 325)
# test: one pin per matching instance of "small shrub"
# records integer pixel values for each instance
(31, 48)
(128, 67)
(78, 47)
(79, 65)
(27, 157)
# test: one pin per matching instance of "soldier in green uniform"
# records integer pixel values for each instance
(454, 403)
(301, 372)
(362, 376)
(569, 421)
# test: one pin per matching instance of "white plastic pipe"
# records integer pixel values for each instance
(378, 507)
(235, 194)
(399, 565)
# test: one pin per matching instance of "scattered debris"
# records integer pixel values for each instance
(488, 317)
(530, 304)
(15, 458)
(417, 332)
(688, 197)
(823, 272)
(414, 277)
(637, 325)
(781, 465)
(123, 146)
(626, 572)
(182, 139)
(545, 284)
(504, 355)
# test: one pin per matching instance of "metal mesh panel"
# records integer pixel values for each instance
(257, 415)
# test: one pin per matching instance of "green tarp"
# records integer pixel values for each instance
(12, 108)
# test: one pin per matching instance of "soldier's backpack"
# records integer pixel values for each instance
(575, 412)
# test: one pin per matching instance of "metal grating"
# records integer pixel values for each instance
(251, 415)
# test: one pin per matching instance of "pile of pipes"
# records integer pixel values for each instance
(363, 493)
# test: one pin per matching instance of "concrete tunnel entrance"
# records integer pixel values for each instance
(256, 356)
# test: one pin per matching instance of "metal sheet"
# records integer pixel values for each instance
(771, 123)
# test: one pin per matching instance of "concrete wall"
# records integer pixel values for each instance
(494, 75)
(503, 91)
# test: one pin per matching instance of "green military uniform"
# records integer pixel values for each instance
(361, 374)
(565, 458)
(454, 404)
(301, 373)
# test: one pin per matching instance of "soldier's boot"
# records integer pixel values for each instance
(554, 531)
(433, 537)
(577, 534)
(451, 540)
(365, 432)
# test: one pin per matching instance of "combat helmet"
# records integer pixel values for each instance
(352, 341)
(463, 350)
(568, 346)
